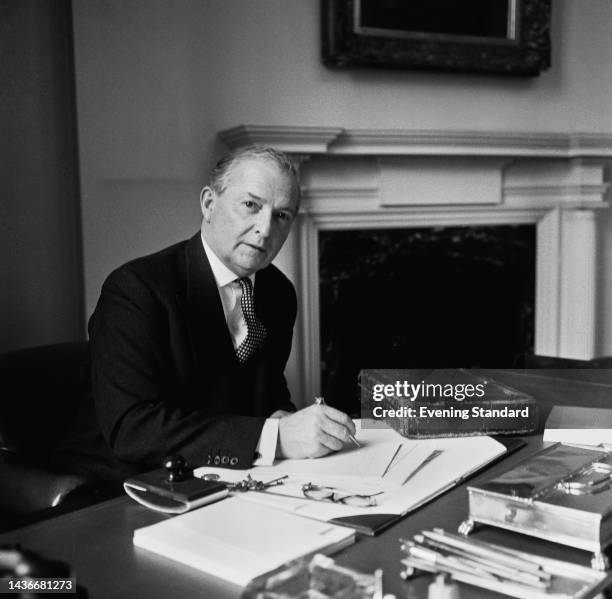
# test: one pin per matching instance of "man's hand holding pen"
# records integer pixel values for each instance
(314, 432)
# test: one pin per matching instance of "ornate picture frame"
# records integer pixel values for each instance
(512, 38)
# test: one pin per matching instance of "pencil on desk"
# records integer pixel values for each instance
(538, 578)
(420, 556)
(433, 455)
(391, 460)
(321, 402)
(475, 547)
(499, 584)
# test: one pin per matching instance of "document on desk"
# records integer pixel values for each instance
(239, 541)
(579, 425)
(368, 461)
(421, 470)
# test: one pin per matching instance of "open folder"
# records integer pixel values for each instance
(408, 472)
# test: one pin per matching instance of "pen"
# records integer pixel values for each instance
(437, 559)
(420, 556)
(321, 402)
(487, 564)
(540, 580)
(474, 547)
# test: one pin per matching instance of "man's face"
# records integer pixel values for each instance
(247, 224)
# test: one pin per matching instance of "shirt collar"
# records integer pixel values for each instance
(223, 275)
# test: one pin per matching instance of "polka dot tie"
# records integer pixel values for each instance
(256, 332)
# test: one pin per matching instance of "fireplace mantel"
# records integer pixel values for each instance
(358, 178)
(336, 140)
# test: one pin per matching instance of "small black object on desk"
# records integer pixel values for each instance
(173, 489)
(176, 468)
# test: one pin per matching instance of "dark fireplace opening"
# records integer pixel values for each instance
(436, 297)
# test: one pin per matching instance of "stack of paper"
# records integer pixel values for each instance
(239, 541)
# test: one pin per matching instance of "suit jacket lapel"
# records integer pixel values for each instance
(210, 337)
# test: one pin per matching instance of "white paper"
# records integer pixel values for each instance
(459, 457)
(225, 539)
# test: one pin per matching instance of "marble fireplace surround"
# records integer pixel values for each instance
(367, 178)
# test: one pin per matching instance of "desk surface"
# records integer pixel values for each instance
(97, 541)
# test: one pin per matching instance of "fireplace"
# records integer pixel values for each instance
(543, 187)
(435, 297)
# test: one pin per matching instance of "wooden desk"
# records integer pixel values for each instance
(97, 541)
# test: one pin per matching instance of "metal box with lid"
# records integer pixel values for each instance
(562, 494)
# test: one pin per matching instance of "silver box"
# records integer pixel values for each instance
(562, 494)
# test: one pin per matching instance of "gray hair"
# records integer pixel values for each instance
(219, 176)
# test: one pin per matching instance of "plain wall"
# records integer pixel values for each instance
(41, 297)
(158, 79)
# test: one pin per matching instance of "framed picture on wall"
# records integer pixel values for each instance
(510, 37)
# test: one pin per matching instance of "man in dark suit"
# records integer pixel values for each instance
(189, 345)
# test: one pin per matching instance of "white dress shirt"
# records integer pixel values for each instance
(230, 291)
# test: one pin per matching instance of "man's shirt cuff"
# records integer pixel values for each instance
(265, 452)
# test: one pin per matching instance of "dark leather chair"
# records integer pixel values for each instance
(46, 415)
